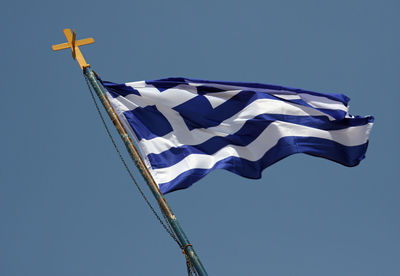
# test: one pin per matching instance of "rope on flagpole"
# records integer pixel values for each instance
(165, 224)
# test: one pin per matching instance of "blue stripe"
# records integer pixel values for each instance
(161, 86)
(247, 134)
(172, 82)
(348, 156)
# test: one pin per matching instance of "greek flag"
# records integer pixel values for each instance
(185, 128)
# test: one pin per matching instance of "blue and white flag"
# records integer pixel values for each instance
(185, 128)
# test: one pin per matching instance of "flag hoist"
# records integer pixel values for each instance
(187, 248)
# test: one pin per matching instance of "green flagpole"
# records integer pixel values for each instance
(187, 247)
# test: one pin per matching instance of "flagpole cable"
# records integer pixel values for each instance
(165, 224)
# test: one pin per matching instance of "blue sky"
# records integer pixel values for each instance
(67, 207)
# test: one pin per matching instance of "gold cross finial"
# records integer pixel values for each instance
(73, 44)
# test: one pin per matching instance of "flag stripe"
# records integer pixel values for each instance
(352, 136)
(225, 85)
(252, 169)
(250, 131)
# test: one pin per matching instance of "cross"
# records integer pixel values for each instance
(73, 44)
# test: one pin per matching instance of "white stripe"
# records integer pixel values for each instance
(352, 136)
(183, 136)
(136, 84)
(315, 101)
(219, 98)
(322, 102)
(287, 97)
(118, 104)
(170, 97)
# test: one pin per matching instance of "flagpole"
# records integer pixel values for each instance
(134, 154)
(74, 44)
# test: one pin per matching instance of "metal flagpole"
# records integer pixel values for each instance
(187, 247)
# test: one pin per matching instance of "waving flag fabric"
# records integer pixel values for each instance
(185, 128)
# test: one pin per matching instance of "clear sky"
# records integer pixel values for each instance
(68, 207)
